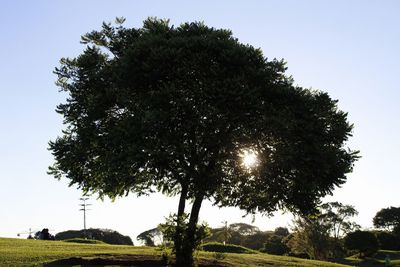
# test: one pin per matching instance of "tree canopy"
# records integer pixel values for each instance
(151, 237)
(388, 218)
(337, 216)
(173, 109)
(106, 235)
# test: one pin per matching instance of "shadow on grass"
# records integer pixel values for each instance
(124, 260)
(142, 261)
(376, 261)
(368, 262)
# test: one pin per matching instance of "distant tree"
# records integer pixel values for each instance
(310, 236)
(276, 244)
(244, 228)
(242, 234)
(106, 235)
(320, 236)
(174, 109)
(150, 237)
(281, 231)
(364, 242)
(43, 235)
(234, 233)
(225, 234)
(388, 218)
(338, 217)
(255, 241)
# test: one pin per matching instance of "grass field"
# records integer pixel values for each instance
(20, 252)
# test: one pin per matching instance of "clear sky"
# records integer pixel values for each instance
(348, 48)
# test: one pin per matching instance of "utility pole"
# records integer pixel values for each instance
(84, 209)
(226, 232)
(30, 232)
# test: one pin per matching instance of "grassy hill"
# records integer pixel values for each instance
(20, 252)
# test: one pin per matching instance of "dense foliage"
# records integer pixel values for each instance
(310, 237)
(364, 242)
(173, 109)
(106, 235)
(388, 240)
(276, 244)
(227, 248)
(245, 235)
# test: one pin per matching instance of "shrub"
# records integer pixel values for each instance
(84, 241)
(388, 241)
(219, 256)
(275, 245)
(228, 248)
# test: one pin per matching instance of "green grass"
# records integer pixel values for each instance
(20, 252)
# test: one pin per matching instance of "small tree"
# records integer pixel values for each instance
(168, 230)
(225, 233)
(364, 242)
(176, 109)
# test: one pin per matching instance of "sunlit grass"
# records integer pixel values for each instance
(20, 252)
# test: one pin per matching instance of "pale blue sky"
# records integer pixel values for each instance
(347, 48)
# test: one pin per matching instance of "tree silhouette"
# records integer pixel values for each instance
(173, 109)
(150, 237)
(388, 218)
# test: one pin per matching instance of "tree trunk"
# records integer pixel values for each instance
(180, 220)
(184, 254)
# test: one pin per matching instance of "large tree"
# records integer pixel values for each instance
(388, 218)
(175, 109)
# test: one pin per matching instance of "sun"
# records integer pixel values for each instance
(249, 159)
